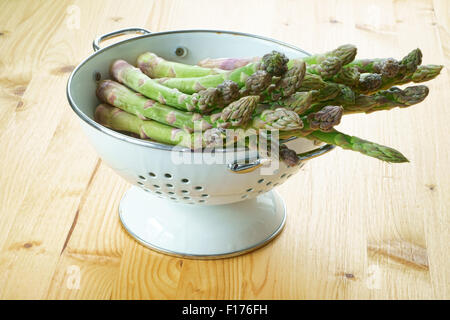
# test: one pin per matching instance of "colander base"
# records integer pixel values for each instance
(202, 232)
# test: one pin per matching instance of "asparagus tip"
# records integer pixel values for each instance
(369, 82)
(346, 53)
(326, 118)
(387, 67)
(229, 91)
(275, 63)
(288, 156)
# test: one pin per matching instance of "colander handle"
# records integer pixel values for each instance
(106, 36)
(237, 167)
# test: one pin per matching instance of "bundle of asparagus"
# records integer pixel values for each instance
(189, 105)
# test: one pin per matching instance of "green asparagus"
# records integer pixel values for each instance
(365, 147)
(228, 92)
(387, 67)
(387, 99)
(298, 102)
(274, 63)
(347, 76)
(323, 120)
(288, 156)
(407, 66)
(380, 74)
(326, 68)
(346, 53)
(191, 105)
(132, 77)
(382, 100)
(235, 114)
(256, 83)
(345, 96)
(277, 119)
(120, 120)
(288, 84)
(330, 91)
(326, 118)
(423, 73)
(368, 83)
(226, 63)
(157, 67)
(312, 82)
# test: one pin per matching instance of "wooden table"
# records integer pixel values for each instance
(357, 228)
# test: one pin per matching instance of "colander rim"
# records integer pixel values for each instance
(151, 144)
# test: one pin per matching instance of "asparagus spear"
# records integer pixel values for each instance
(346, 53)
(326, 68)
(387, 99)
(348, 76)
(378, 74)
(312, 82)
(323, 120)
(247, 76)
(190, 85)
(288, 156)
(277, 119)
(423, 73)
(157, 67)
(387, 67)
(256, 83)
(298, 102)
(330, 91)
(382, 100)
(340, 95)
(117, 119)
(226, 63)
(288, 84)
(274, 63)
(368, 83)
(368, 148)
(228, 92)
(235, 114)
(132, 77)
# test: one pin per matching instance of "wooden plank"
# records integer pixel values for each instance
(53, 183)
(94, 248)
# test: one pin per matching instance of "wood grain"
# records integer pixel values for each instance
(357, 228)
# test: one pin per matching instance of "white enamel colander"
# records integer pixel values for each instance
(184, 203)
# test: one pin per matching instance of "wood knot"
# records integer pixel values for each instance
(117, 19)
(26, 245)
(346, 275)
(333, 20)
(19, 91)
(63, 70)
(431, 186)
(19, 106)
